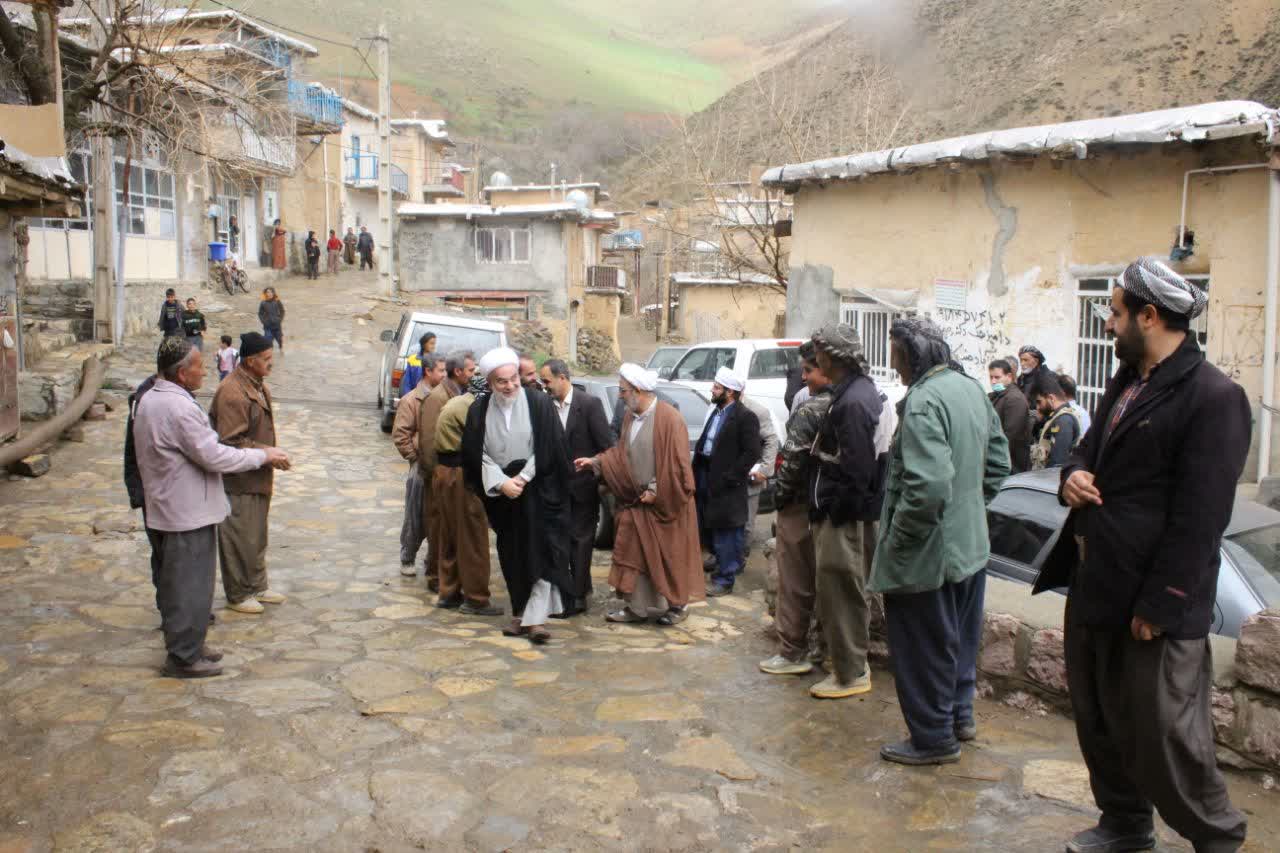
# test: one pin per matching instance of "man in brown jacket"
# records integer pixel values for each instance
(1014, 412)
(417, 492)
(242, 414)
(459, 367)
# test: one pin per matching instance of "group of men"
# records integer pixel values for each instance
(337, 249)
(1038, 410)
(204, 483)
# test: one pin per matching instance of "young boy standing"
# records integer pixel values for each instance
(194, 325)
(228, 357)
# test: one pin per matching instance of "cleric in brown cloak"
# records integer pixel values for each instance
(657, 561)
(514, 457)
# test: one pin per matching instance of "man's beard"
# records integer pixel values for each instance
(1130, 346)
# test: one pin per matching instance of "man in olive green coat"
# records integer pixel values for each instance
(948, 460)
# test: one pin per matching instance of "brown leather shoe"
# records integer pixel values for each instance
(209, 653)
(174, 668)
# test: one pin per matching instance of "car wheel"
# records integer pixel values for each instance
(604, 526)
(388, 419)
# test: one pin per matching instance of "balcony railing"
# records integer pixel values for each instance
(270, 50)
(399, 180)
(622, 241)
(610, 278)
(312, 102)
(362, 169)
(446, 178)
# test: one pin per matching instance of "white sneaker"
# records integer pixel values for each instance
(831, 687)
(409, 571)
(249, 605)
(270, 596)
(778, 665)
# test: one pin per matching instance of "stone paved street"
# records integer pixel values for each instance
(356, 717)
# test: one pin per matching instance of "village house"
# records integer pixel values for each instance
(423, 149)
(530, 259)
(1014, 237)
(360, 172)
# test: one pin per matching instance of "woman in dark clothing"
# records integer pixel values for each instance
(312, 247)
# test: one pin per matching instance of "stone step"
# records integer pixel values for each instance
(46, 388)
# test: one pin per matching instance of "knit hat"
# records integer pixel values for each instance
(252, 343)
(173, 350)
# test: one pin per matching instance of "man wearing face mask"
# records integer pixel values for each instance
(1014, 412)
(1151, 488)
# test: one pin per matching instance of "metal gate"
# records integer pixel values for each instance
(872, 323)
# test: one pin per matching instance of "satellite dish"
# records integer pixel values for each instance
(500, 179)
(579, 199)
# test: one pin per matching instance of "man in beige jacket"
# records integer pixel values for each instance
(417, 490)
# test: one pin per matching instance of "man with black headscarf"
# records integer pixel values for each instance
(845, 493)
(948, 460)
(1033, 375)
(1151, 488)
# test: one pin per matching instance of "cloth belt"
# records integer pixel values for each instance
(449, 459)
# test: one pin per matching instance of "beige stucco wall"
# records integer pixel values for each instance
(719, 312)
(146, 258)
(311, 199)
(1062, 221)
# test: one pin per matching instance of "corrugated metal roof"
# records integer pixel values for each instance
(1218, 120)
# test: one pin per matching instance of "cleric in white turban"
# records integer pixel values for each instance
(514, 456)
(727, 378)
(638, 377)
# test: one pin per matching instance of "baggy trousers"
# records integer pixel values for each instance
(797, 573)
(430, 511)
(184, 588)
(414, 527)
(460, 537)
(1144, 726)
(583, 518)
(843, 560)
(242, 547)
(933, 640)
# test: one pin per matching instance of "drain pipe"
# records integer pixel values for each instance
(1269, 312)
(1186, 189)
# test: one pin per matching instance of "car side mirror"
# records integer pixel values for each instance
(387, 335)
(664, 372)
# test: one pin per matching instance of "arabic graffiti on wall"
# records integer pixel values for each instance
(976, 337)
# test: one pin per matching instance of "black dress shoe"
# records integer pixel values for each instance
(905, 752)
(573, 608)
(1102, 840)
(449, 603)
(479, 609)
(202, 668)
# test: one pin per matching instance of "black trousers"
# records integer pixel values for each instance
(933, 642)
(1142, 719)
(184, 587)
(584, 515)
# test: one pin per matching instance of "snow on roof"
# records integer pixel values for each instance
(47, 170)
(1184, 124)
(185, 15)
(694, 280)
(469, 211)
(359, 109)
(433, 127)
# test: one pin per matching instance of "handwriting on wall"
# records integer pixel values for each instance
(976, 337)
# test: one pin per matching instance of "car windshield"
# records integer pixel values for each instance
(1257, 553)
(690, 405)
(666, 357)
(700, 365)
(450, 338)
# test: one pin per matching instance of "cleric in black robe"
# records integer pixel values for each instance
(514, 457)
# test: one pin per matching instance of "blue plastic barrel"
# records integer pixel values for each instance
(217, 251)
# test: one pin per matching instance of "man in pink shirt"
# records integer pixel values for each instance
(182, 464)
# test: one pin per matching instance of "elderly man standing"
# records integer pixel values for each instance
(949, 457)
(655, 547)
(850, 456)
(182, 462)
(404, 435)
(724, 456)
(513, 454)
(241, 412)
(458, 368)
(797, 570)
(1151, 488)
(459, 529)
(586, 433)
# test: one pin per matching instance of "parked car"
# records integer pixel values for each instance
(665, 358)
(453, 332)
(693, 407)
(1026, 518)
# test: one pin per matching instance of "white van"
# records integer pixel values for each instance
(761, 363)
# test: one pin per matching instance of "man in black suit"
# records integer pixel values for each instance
(723, 457)
(587, 434)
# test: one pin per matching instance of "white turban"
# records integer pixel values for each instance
(725, 377)
(496, 358)
(639, 378)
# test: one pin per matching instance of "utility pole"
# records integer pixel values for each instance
(664, 282)
(104, 196)
(386, 283)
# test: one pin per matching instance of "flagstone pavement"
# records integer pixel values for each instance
(357, 717)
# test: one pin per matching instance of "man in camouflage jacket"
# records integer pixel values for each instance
(795, 555)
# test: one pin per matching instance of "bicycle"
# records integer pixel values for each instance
(229, 275)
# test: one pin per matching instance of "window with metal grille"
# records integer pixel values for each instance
(872, 322)
(1096, 360)
(503, 245)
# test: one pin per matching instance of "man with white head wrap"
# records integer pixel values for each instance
(514, 457)
(723, 457)
(655, 549)
(1151, 487)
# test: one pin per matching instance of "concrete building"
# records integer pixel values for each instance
(523, 262)
(423, 149)
(1012, 237)
(717, 308)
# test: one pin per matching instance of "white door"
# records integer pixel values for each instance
(250, 246)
